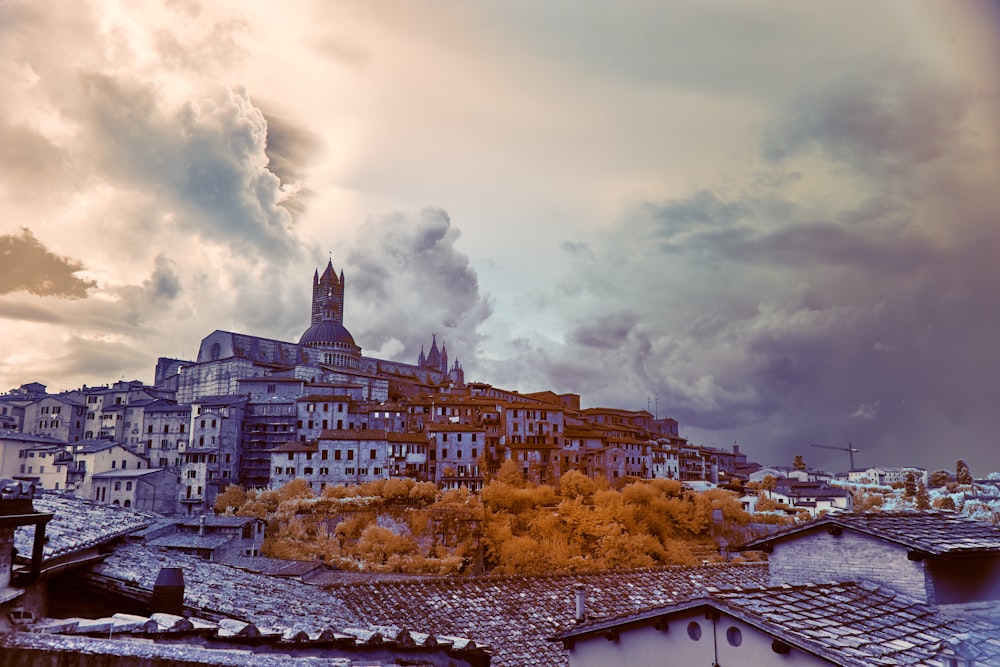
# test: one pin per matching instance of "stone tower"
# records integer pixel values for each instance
(328, 290)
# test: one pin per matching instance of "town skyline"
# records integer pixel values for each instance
(776, 235)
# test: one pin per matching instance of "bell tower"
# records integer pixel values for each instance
(328, 290)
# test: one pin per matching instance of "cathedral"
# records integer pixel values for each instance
(325, 353)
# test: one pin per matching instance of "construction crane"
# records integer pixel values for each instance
(850, 449)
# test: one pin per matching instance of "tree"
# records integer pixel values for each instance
(799, 463)
(910, 486)
(923, 498)
(962, 473)
(510, 473)
(940, 478)
(231, 499)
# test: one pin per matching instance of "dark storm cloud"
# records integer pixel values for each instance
(577, 248)
(165, 283)
(778, 320)
(605, 331)
(206, 158)
(289, 149)
(876, 122)
(811, 245)
(26, 264)
(409, 280)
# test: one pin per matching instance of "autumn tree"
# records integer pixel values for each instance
(799, 463)
(230, 500)
(923, 498)
(940, 478)
(910, 486)
(962, 473)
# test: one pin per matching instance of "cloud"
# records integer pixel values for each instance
(29, 266)
(164, 284)
(886, 120)
(406, 280)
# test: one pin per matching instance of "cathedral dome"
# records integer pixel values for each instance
(327, 333)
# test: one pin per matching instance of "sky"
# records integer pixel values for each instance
(774, 221)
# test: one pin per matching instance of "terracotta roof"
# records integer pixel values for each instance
(515, 615)
(851, 624)
(78, 525)
(127, 473)
(296, 446)
(449, 428)
(937, 533)
(352, 434)
(406, 437)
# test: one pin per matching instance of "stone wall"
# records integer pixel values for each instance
(819, 557)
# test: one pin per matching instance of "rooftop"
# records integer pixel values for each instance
(78, 524)
(937, 533)
(513, 615)
(854, 624)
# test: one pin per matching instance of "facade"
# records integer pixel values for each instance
(216, 538)
(148, 490)
(339, 458)
(941, 558)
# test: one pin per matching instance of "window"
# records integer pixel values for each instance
(734, 636)
(350, 454)
(128, 486)
(118, 486)
(307, 471)
(444, 453)
(694, 631)
(336, 455)
(372, 454)
(325, 454)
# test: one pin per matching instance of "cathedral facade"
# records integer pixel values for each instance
(325, 353)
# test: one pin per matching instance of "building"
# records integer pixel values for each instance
(941, 558)
(905, 588)
(848, 624)
(147, 490)
(216, 538)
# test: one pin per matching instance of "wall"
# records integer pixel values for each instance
(818, 556)
(645, 646)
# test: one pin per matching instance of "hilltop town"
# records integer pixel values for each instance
(274, 502)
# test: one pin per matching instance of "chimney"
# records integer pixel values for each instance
(581, 603)
(168, 592)
(201, 526)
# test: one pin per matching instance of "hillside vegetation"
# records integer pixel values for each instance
(512, 527)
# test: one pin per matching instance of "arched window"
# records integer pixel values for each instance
(215, 352)
(128, 503)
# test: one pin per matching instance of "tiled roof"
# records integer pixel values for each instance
(442, 428)
(851, 624)
(129, 473)
(937, 533)
(406, 437)
(217, 590)
(349, 434)
(513, 615)
(94, 446)
(217, 521)
(78, 525)
(190, 541)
